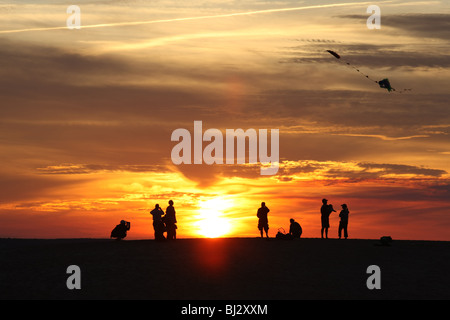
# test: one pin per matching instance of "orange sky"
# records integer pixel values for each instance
(86, 116)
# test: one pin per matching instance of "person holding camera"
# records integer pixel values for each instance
(325, 211)
(120, 231)
(158, 224)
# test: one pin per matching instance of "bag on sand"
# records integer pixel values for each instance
(282, 235)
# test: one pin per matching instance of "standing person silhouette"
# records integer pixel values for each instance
(170, 220)
(344, 221)
(325, 211)
(263, 222)
(158, 224)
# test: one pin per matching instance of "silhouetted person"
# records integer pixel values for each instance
(344, 221)
(325, 210)
(263, 222)
(170, 221)
(295, 229)
(158, 224)
(120, 231)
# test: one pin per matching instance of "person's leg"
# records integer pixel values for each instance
(159, 231)
(155, 229)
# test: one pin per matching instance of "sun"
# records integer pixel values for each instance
(212, 222)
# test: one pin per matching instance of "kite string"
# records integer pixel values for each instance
(355, 68)
(375, 81)
(382, 83)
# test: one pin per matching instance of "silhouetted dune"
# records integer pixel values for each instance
(226, 269)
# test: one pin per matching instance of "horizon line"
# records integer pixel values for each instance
(222, 238)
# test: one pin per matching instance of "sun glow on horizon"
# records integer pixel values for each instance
(211, 220)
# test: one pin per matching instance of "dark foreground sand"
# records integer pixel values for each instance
(226, 269)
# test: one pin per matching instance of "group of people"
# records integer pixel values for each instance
(325, 211)
(164, 222)
(295, 230)
(161, 223)
(167, 222)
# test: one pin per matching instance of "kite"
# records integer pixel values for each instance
(385, 84)
(334, 54)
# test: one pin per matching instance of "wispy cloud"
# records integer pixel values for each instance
(217, 16)
(417, 25)
(99, 168)
(382, 137)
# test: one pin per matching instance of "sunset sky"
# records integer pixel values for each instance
(86, 116)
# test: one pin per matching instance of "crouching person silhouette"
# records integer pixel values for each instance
(120, 231)
(295, 229)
